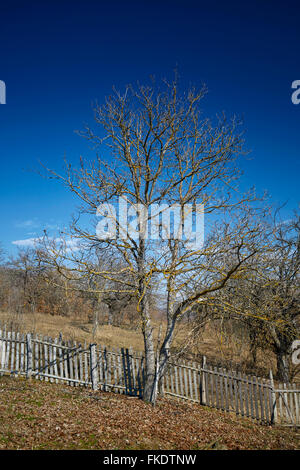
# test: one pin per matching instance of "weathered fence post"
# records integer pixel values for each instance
(274, 405)
(28, 355)
(93, 367)
(202, 383)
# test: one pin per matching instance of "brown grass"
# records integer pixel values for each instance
(211, 343)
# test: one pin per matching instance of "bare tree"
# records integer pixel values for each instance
(267, 301)
(2, 254)
(157, 150)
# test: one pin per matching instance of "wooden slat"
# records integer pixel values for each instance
(66, 362)
(226, 392)
(55, 358)
(93, 367)
(236, 393)
(284, 397)
(212, 388)
(292, 405)
(273, 399)
(60, 359)
(231, 391)
(176, 380)
(221, 382)
(12, 355)
(266, 402)
(260, 396)
(191, 389)
(75, 358)
(296, 396)
(280, 404)
(17, 364)
(36, 357)
(7, 353)
(28, 355)
(132, 368)
(46, 370)
(195, 377)
(217, 387)
(181, 386)
(119, 362)
(114, 368)
(3, 354)
(124, 369)
(50, 349)
(105, 367)
(251, 397)
(185, 382)
(86, 364)
(240, 391)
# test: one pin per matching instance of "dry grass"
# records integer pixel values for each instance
(211, 343)
(40, 415)
(74, 329)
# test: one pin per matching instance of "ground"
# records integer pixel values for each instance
(40, 415)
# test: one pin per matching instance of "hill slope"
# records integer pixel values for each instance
(40, 415)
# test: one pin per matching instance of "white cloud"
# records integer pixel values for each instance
(71, 244)
(27, 223)
(51, 227)
(27, 242)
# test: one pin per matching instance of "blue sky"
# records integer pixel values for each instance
(57, 57)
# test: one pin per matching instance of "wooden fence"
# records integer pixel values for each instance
(122, 371)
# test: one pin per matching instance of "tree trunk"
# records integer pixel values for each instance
(95, 323)
(110, 315)
(282, 348)
(164, 353)
(253, 347)
(283, 366)
(150, 385)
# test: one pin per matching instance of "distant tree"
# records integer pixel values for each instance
(267, 301)
(2, 254)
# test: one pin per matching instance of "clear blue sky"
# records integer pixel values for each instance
(56, 57)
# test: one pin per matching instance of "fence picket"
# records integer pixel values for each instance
(60, 359)
(8, 344)
(246, 392)
(93, 367)
(36, 357)
(12, 355)
(211, 377)
(203, 383)
(86, 364)
(215, 375)
(221, 389)
(76, 377)
(296, 398)
(120, 375)
(266, 405)
(17, 369)
(236, 393)
(3, 350)
(241, 398)
(50, 359)
(29, 355)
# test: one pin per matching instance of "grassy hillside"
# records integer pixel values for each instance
(211, 342)
(39, 415)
